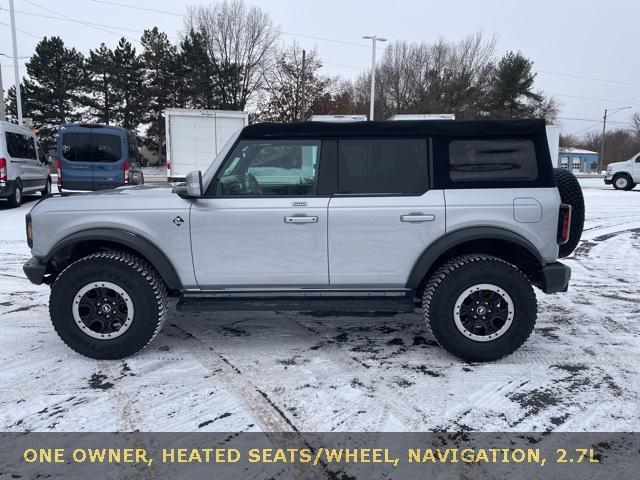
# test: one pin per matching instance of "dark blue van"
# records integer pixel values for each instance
(91, 156)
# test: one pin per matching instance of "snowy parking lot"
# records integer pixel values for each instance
(379, 372)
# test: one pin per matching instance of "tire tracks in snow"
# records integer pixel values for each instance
(268, 415)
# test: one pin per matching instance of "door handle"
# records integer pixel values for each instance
(304, 219)
(417, 218)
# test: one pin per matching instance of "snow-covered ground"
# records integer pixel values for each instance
(287, 371)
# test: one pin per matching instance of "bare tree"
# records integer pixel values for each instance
(442, 77)
(240, 39)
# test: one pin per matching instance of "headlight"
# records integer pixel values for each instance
(29, 230)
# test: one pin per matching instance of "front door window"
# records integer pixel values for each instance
(276, 168)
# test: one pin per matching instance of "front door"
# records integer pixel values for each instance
(75, 154)
(261, 223)
(383, 216)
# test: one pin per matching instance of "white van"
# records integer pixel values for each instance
(24, 168)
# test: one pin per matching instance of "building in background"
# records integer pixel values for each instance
(577, 160)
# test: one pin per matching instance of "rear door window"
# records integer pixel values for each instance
(382, 167)
(509, 160)
(107, 148)
(76, 146)
(20, 146)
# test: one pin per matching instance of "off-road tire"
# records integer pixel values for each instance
(571, 194)
(129, 272)
(16, 198)
(628, 186)
(47, 188)
(463, 272)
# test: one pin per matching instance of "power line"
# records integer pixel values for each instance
(19, 12)
(80, 21)
(21, 31)
(136, 7)
(182, 15)
(584, 77)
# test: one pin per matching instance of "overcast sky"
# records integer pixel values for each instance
(585, 52)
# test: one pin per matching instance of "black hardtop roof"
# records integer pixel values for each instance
(446, 128)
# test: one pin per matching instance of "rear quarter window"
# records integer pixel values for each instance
(20, 146)
(492, 160)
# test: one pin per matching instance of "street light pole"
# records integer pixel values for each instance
(604, 129)
(15, 62)
(374, 39)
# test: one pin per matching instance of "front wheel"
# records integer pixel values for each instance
(108, 305)
(622, 182)
(479, 307)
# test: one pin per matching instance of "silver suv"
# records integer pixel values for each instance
(458, 218)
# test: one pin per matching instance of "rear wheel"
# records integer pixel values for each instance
(479, 307)
(15, 199)
(47, 188)
(108, 305)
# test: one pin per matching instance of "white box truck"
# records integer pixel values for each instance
(194, 138)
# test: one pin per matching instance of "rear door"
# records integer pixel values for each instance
(192, 142)
(75, 152)
(109, 152)
(383, 215)
(24, 159)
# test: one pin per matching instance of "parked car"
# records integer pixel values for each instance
(92, 156)
(24, 168)
(458, 218)
(624, 175)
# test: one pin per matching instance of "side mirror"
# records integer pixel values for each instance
(194, 184)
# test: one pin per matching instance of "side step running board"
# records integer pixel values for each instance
(289, 304)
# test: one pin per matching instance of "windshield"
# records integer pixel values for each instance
(208, 175)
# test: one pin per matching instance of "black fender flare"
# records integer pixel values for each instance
(434, 251)
(133, 241)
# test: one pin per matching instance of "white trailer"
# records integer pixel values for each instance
(194, 138)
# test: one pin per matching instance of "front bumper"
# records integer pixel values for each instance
(555, 278)
(35, 269)
(608, 180)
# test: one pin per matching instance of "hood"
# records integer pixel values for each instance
(135, 197)
(615, 165)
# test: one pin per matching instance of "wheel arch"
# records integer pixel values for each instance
(86, 242)
(499, 242)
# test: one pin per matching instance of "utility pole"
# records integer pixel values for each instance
(374, 39)
(15, 62)
(604, 130)
(302, 87)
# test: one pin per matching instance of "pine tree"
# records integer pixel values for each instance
(162, 85)
(513, 95)
(100, 74)
(196, 68)
(129, 104)
(52, 91)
